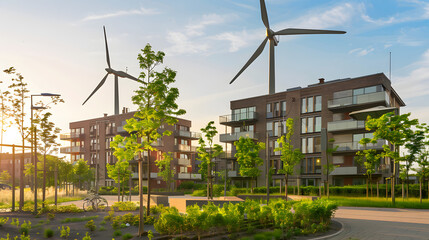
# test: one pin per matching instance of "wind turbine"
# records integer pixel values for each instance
(271, 36)
(117, 74)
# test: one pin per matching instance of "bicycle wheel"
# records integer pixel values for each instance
(85, 205)
(102, 204)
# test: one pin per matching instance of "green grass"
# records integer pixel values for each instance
(381, 202)
(82, 219)
(49, 200)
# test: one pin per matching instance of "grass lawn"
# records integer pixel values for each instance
(381, 202)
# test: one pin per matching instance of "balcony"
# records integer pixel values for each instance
(344, 171)
(232, 174)
(185, 148)
(237, 119)
(68, 136)
(232, 137)
(193, 176)
(74, 149)
(359, 101)
(355, 146)
(111, 130)
(184, 161)
(187, 134)
(345, 125)
(227, 155)
(135, 175)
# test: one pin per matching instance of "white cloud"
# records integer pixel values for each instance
(207, 20)
(416, 83)
(246, 6)
(361, 51)
(354, 50)
(236, 40)
(141, 11)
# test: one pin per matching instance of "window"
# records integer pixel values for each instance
(310, 124)
(284, 128)
(269, 111)
(303, 105)
(311, 165)
(270, 128)
(317, 144)
(283, 105)
(310, 145)
(276, 128)
(317, 124)
(310, 104)
(242, 113)
(304, 145)
(303, 125)
(318, 104)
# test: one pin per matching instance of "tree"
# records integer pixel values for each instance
(423, 170)
(20, 93)
(65, 174)
(165, 170)
(290, 156)
(119, 171)
(370, 159)
(395, 129)
(156, 101)
(248, 157)
(82, 173)
(4, 177)
(329, 166)
(29, 172)
(206, 152)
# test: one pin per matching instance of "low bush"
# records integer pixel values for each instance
(127, 236)
(48, 233)
(3, 220)
(87, 237)
(117, 233)
(109, 216)
(125, 206)
(50, 216)
(131, 219)
(25, 228)
(91, 225)
(81, 219)
(64, 232)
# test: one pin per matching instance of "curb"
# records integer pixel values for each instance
(331, 235)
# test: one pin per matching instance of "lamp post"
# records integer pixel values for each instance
(34, 146)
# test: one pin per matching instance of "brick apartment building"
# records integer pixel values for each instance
(6, 163)
(327, 110)
(90, 140)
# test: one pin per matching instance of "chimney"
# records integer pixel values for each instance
(105, 114)
(123, 110)
(321, 80)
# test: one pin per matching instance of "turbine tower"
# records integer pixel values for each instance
(117, 74)
(271, 36)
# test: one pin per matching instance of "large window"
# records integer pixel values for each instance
(311, 144)
(283, 105)
(311, 124)
(311, 165)
(311, 104)
(243, 113)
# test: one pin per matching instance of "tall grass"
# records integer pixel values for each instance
(380, 202)
(6, 196)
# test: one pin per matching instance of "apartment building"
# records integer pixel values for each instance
(90, 140)
(328, 114)
(7, 165)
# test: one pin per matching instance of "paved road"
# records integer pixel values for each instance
(382, 223)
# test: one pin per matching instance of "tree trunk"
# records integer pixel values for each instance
(378, 190)
(148, 183)
(56, 184)
(119, 184)
(328, 189)
(21, 180)
(299, 182)
(387, 195)
(44, 181)
(367, 188)
(141, 210)
(420, 188)
(370, 184)
(286, 180)
(403, 192)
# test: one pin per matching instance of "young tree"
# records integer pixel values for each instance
(156, 101)
(65, 175)
(165, 170)
(248, 157)
(370, 159)
(29, 172)
(4, 177)
(290, 156)
(20, 94)
(423, 170)
(82, 173)
(395, 129)
(329, 166)
(206, 153)
(120, 171)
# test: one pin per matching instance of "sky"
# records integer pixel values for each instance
(58, 46)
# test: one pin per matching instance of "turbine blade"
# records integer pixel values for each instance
(297, 31)
(126, 75)
(96, 89)
(264, 14)
(107, 48)
(252, 58)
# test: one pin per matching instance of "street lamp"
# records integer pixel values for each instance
(34, 146)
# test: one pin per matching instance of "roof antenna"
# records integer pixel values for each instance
(126, 69)
(390, 66)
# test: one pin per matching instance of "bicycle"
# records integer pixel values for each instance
(94, 202)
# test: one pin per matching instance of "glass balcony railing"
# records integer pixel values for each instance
(246, 116)
(185, 148)
(232, 137)
(345, 125)
(189, 176)
(359, 100)
(74, 149)
(355, 146)
(184, 161)
(68, 136)
(187, 134)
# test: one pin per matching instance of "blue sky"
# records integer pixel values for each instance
(58, 47)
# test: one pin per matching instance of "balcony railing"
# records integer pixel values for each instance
(232, 137)
(184, 161)
(358, 100)
(355, 146)
(345, 125)
(144, 175)
(238, 117)
(195, 176)
(187, 134)
(227, 155)
(232, 174)
(344, 171)
(68, 136)
(185, 148)
(74, 149)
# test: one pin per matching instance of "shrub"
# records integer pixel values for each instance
(125, 206)
(150, 234)
(65, 232)
(127, 236)
(25, 228)
(117, 233)
(169, 222)
(130, 219)
(87, 237)
(103, 222)
(150, 220)
(199, 193)
(102, 228)
(68, 209)
(3, 221)
(90, 225)
(48, 233)
(82, 219)
(110, 215)
(15, 222)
